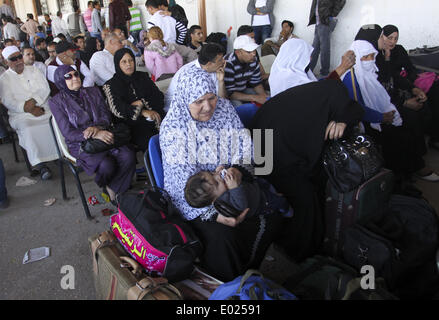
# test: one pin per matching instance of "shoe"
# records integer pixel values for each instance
(432, 177)
(45, 173)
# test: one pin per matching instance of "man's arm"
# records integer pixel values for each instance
(182, 30)
(338, 6)
(89, 80)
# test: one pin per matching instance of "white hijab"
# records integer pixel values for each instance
(374, 94)
(288, 68)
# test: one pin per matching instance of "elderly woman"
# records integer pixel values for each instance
(302, 118)
(81, 113)
(291, 66)
(400, 148)
(134, 99)
(195, 136)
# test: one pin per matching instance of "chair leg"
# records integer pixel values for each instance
(81, 192)
(63, 180)
(11, 136)
(29, 167)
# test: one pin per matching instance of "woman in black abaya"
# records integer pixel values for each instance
(302, 118)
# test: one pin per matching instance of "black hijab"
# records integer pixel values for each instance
(389, 29)
(299, 117)
(119, 73)
(90, 49)
(135, 87)
(370, 33)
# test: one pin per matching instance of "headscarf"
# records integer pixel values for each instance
(288, 68)
(119, 73)
(77, 103)
(189, 146)
(389, 29)
(370, 33)
(374, 94)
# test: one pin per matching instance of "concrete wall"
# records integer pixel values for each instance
(416, 20)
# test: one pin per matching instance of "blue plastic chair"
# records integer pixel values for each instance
(246, 113)
(153, 162)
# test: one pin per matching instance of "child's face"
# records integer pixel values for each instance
(217, 183)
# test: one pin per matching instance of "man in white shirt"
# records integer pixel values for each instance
(102, 62)
(24, 91)
(29, 60)
(59, 25)
(65, 54)
(167, 24)
(10, 30)
(211, 60)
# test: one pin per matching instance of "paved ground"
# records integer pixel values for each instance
(63, 227)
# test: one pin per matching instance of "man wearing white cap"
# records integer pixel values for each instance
(24, 91)
(242, 73)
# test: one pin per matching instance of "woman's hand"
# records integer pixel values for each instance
(335, 130)
(388, 117)
(105, 136)
(413, 104)
(137, 103)
(232, 222)
(152, 115)
(420, 95)
(90, 132)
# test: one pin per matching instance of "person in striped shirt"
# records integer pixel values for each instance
(135, 22)
(242, 73)
(169, 26)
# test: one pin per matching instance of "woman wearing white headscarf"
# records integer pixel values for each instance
(291, 66)
(399, 146)
(190, 140)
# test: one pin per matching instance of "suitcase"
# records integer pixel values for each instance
(119, 277)
(425, 57)
(343, 210)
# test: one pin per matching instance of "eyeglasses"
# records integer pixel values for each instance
(13, 59)
(69, 76)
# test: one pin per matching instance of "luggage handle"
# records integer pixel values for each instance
(127, 262)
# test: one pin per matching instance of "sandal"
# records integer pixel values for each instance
(432, 177)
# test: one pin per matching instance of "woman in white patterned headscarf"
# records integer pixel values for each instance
(194, 137)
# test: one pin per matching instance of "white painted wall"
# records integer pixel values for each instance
(417, 20)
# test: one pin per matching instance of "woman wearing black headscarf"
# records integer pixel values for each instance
(397, 75)
(302, 118)
(134, 99)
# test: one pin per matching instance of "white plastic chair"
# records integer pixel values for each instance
(66, 158)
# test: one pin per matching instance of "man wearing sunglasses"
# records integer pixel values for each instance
(24, 91)
(66, 54)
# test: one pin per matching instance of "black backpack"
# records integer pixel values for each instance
(154, 216)
(401, 246)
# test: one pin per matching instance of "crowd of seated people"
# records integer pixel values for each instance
(92, 82)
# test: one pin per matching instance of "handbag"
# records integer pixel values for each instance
(121, 137)
(351, 161)
(425, 80)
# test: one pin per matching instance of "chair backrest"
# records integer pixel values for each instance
(267, 62)
(163, 84)
(60, 141)
(246, 113)
(153, 162)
